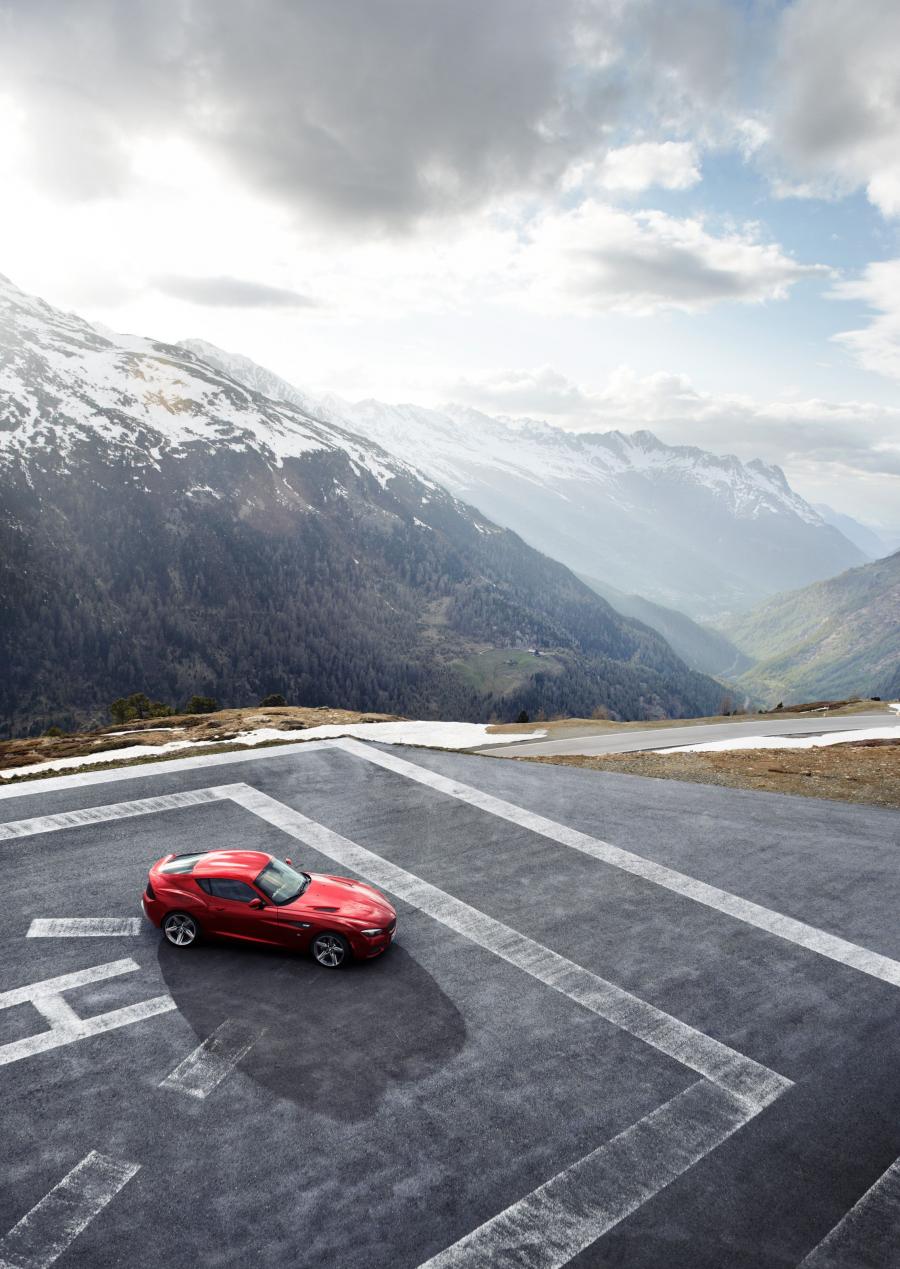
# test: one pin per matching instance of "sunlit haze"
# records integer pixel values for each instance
(617, 214)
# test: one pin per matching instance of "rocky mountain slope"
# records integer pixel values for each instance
(837, 638)
(691, 530)
(165, 528)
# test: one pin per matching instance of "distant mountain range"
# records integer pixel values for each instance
(677, 525)
(868, 541)
(834, 639)
(164, 527)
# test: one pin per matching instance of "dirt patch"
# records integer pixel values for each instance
(858, 771)
(223, 725)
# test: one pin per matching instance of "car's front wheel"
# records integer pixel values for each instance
(331, 950)
(180, 929)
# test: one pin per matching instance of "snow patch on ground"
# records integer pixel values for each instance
(91, 759)
(429, 735)
(890, 732)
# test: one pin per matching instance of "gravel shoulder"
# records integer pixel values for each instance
(858, 771)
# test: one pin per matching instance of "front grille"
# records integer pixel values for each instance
(150, 894)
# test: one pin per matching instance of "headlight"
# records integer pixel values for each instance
(371, 933)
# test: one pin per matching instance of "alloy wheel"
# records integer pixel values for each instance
(329, 950)
(180, 930)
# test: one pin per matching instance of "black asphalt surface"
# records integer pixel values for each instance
(393, 1107)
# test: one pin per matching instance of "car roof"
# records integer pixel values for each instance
(246, 864)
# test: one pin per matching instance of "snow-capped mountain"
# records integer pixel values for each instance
(166, 528)
(676, 524)
(681, 526)
(64, 386)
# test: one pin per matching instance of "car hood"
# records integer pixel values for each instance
(345, 898)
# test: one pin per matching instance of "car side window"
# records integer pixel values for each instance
(228, 888)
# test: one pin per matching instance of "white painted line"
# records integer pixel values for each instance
(67, 982)
(52, 784)
(755, 1084)
(44, 1233)
(58, 1012)
(66, 1026)
(788, 928)
(868, 1237)
(214, 1059)
(693, 1048)
(784, 927)
(56, 1037)
(633, 1167)
(83, 927)
(100, 814)
(551, 1225)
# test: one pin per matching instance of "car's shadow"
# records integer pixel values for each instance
(335, 1040)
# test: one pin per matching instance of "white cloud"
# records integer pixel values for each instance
(837, 88)
(540, 391)
(884, 190)
(633, 168)
(598, 257)
(592, 258)
(224, 291)
(877, 345)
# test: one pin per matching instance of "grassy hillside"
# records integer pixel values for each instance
(835, 638)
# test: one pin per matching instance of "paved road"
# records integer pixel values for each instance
(626, 1023)
(694, 734)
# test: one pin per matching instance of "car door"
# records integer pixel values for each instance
(232, 914)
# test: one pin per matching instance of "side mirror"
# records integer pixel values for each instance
(288, 861)
(256, 903)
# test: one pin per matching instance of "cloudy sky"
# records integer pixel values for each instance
(604, 213)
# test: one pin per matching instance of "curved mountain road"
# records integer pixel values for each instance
(690, 734)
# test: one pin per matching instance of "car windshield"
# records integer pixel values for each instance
(281, 883)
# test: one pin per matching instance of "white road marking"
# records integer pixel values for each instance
(218, 1055)
(66, 1026)
(58, 1012)
(676, 1136)
(868, 1237)
(83, 927)
(784, 927)
(552, 1224)
(44, 1233)
(788, 928)
(67, 982)
(694, 1049)
(740, 1075)
(100, 814)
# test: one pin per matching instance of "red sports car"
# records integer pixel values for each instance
(246, 894)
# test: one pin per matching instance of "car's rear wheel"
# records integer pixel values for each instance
(180, 929)
(331, 950)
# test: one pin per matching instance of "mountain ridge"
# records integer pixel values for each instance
(166, 528)
(699, 532)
